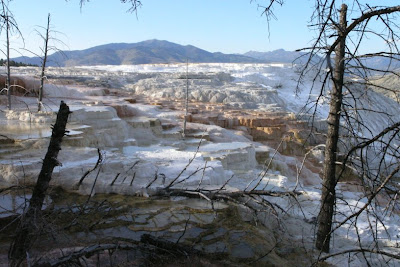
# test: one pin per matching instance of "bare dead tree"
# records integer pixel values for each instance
(335, 37)
(346, 84)
(50, 44)
(44, 60)
(329, 176)
(8, 79)
(27, 228)
(9, 25)
(339, 109)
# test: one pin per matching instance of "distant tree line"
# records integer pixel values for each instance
(16, 64)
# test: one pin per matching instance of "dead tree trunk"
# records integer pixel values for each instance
(8, 79)
(29, 225)
(329, 176)
(42, 75)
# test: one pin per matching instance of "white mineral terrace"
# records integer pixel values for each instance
(136, 122)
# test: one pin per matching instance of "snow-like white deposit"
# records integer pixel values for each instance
(254, 86)
(139, 155)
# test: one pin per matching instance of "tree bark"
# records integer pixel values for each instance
(28, 227)
(329, 176)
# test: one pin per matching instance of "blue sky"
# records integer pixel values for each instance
(229, 26)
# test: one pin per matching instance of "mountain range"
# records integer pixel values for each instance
(157, 51)
(152, 52)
